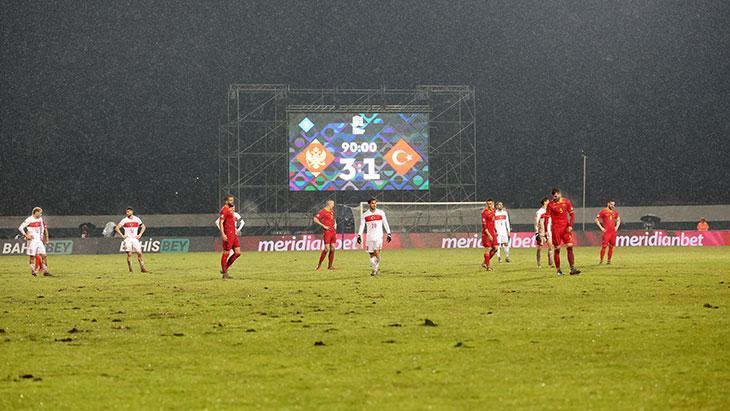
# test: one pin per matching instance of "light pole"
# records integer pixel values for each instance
(585, 160)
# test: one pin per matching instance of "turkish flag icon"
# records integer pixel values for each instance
(402, 157)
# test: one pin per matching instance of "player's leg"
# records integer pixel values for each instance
(44, 258)
(556, 236)
(373, 261)
(140, 260)
(538, 255)
(571, 256)
(234, 257)
(323, 254)
(31, 259)
(224, 257)
(611, 244)
(331, 257)
(129, 261)
(377, 261)
(38, 263)
(506, 251)
(499, 253)
(604, 244)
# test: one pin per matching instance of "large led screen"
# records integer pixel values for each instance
(358, 151)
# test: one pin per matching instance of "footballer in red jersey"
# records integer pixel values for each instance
(227, 227)
(326, 219)
(608, 221)
(561, 214)
(489, 235)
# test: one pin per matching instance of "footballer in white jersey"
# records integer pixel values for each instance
(543, 230)
(375, 222)
(503, 230)
(34, 231)
(133, 230)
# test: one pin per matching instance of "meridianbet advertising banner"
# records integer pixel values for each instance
(309, 242)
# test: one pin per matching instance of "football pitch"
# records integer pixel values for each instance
(432, 331)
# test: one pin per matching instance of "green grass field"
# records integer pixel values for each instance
(634, 335)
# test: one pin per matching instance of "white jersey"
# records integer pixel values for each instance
(540, 221)
(501, 222)
(375, 221)
(239, 221)
(34, 226)
(131, 226)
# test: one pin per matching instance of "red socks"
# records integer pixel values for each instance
(231, 259)
(331, 257)
(556, 258)
(610, 253)
(603, 252)
(571, 257)
(224, 261)
(321, 257)
(488, 256)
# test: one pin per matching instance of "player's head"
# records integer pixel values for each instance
(228, 200)
(490, 203)
(556, 194)
(330, 204)
(373, 203)
(703, 220)
(611, 204)
(544, 201)
(129, 211)
(499, 205)
(37, 212)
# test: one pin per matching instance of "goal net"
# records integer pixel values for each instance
(437, 217)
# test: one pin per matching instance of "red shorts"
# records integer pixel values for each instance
(609, 238)
(487, 243)
(231, 243)
(329, 237)
(562, 236)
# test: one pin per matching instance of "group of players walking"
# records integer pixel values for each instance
(553, 231)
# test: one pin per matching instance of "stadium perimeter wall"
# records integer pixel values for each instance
(308, 242)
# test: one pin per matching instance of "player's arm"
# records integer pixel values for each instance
(618, 222)
(241, 223)
(45, 233)
(361, 229)
(509, 228)
(116, 228)
(571, 217)
(598, 223)
(387, 228)
(142, 227)
(224, 237)
(319, 223)
(24, 233)
(537, 223)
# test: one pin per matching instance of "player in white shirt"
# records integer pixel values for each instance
(503, 229)
(133, 230)
(239, 224)
(375, 222)
(543, 230)
(34, 231)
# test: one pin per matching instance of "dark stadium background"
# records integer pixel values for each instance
(109, 104)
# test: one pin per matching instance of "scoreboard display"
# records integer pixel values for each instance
(358, 151)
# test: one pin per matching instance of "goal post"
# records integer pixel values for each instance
(442, 217)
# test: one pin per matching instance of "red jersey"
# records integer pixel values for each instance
(327, 217)
(488, 218)
(561, 212)
(229, 220)
(608, 219)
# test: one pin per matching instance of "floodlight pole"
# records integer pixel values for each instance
(585, 160)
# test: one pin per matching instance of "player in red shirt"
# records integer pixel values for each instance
(608, 221)
(326, 219)
(227, 227)
(561, 214)
(489, 235)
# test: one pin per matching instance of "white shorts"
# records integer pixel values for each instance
(36, 247)
(374, 245)
(502, 238)
(131, 245)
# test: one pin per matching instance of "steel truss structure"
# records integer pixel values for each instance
(253, 146)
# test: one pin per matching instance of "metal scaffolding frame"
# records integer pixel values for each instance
(253, 145)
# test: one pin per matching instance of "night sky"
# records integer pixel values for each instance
(116, 104)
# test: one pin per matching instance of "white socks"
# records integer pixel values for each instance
(375, 263)
(506, 251)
